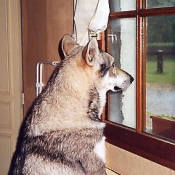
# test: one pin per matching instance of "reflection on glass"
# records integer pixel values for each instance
(160, 76)
(160, 3)
(122, 46)
(122, 5)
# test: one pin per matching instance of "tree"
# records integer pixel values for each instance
(161, 29)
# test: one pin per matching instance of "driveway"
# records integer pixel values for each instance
(160, 99)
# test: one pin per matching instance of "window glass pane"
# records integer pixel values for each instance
(122, 5)
(160, 76)
(122, 46)
(160, 3)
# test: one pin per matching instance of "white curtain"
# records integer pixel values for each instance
(90, 18)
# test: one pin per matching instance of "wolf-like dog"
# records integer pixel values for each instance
(62, 133)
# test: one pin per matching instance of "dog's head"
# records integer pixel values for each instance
(110, 77)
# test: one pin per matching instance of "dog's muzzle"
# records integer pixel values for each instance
(127, 83)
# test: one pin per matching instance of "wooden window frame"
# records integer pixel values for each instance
(137, 141)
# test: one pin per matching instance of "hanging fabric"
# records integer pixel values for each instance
(90, 18)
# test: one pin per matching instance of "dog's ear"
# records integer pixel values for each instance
(68, 45)
(91, 52)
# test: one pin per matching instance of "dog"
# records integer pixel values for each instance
(62, 133)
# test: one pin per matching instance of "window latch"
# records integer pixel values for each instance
(113, 37)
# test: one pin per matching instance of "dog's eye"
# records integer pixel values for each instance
(103, 67)
(104, 70)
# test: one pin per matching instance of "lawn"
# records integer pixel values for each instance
(168, 75)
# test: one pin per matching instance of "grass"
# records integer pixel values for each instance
(161, 44)
(168, 75)
(168, 117)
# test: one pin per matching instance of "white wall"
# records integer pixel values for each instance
(126, 163)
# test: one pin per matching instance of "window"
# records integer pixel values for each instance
(141, 38)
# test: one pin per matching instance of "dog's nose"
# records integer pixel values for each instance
(131, 79)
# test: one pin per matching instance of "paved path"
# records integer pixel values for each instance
(160, 100)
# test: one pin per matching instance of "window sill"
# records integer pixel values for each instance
(141, 144)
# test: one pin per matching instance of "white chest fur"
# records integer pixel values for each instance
(100, 149)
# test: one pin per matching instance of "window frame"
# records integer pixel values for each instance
(137, 141)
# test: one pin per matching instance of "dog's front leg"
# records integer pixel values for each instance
(92, 164)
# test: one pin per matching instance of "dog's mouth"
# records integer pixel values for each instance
(116, 88)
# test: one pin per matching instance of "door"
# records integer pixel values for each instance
(44, 23)
(11, 80)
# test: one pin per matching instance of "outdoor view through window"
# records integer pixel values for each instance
(158, 36)
(160, 76)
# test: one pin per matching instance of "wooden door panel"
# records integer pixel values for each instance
(11, 80)
(44, 23)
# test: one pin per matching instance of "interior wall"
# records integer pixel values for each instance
(126, 163)
(44, 22)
